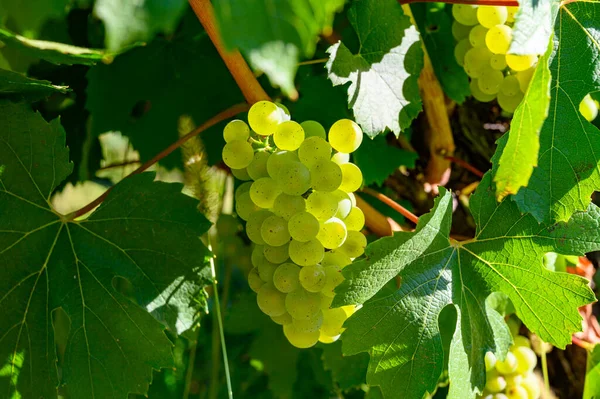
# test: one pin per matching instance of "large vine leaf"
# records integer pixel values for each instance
(533, 26)
(383, 91)
(506, 255)
(592, 374)
(377, 160)
(275, 34)
(569, 162)
(13, 83)
(145, 232)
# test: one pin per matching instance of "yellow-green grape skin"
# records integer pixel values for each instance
(510, 103)
(513, 379)
(478, 94)
(277, 254)
(286, 277)
(270, 300)
(355, 244)
(266, 270)
(461, 49)
(490, 16)
(333, 320)
(264, 191)
(512, 11)
(294, 179)
(524, 78)
(520, 340)
(311, 325)
(254, 280)
(344, 202)
(326, 301)
(334, 258)
(334, 278)
(282, 320)
(460, 31)
(303, 305)
(352, 177)
(244, 207)
(264, 117)
(287, 206)
(490, 361)
(306, 253)
(303, 226)
(322, 205)
(532, 386)
(490, 80)
(355, 220)
(332, 233)
(258, 166)
(526, 359)
(517, 392)
(465, 14)
(588, 108)
(242, 188)
(237, 154)
(326, 339)
(345, 136)
(236, 130)
(278, 160)
(313, 278)
(325, 175)
(510, 86)
(349, 309)
(498, 62)
(288, 136)
(495, 383)
(241, 174)
(476, 60)
(314, 129)
(477, 35)
(498, 39)
(520, 62)
(274, 231)
(300, 339)
(258, 255)
(254, 224)
(508, 365)
(499, 396)
(314, 149)
(284, 112)
(340, 158)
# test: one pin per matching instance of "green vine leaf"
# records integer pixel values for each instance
(145, 232)
(377, 160)
(13, 83)
(592, 374)
(533, 26)
(436, 271)
(347, 371)
(29, 16)
(569, 162)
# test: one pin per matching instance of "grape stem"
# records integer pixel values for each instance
(465, 165)
(119, 165)
(378, 223)
(221, 116)
(392, 204)
(507, 3)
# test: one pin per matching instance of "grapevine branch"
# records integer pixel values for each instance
(221, 116)
(392, 204)
(465, 165)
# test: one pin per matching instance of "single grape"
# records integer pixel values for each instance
(520, 340)
(284, 112)
(311, 325)
(333, 320)
(461, 49)
(460, 31)
(340, 158)
(498, 39)
(508, 365)
(352, 177)
(238, 154)
(477, 35)
(288, 136)
(334, 278)
(326, 339)
(494, 382)
(588, 108)
(244, 207)
(526, 359)
(314, 149)
(294, 178)
(266, 270)
(274, 231)
(322, 205)
(512, 11)
(258, 167)
(490, 80)
(490, 16)
(254, 280)
(254, 224)
(520, 62)
(270, 300)
(332, 233)
(298, 338)
(306, 253)
(313, 278)
(355, 220)
(344, 202)
(264, 191)
(326, 175)
(303, 305)
(277, 254)
(242, 188)
(465, 14)
(264, 117)
(498, 62)
(334, 258)
(326, 301)
(236, 130)
(258, 255)
(531, 384)
(278, 160)
(283, 319)
(516, 392)
(524, 78)
(513, 379)
(490, 361)
(478, 94)
(241, 174)
(355, 244)
(345, 136)
(510, 86)
(286, 277)
(313, 129)
(303, 226)
(509, 103)
(476, 60)
(350, 310)
(287, 206)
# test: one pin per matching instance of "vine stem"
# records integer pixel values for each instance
(507, 3)
(465, 165)
(392, 204)
(221, 116)
(545, 371)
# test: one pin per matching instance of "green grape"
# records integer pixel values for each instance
(352, 177)
(513, 379)
(254, 280)
(314, 129)
(477, 35)
(258, 255)
(532, 386)
(490, 80)
(500, 396)
(294, 179)
(350, 310)
(288, 136)
(303, 305)
(254, 224)
(237, 154)
(461, 49)
(520, 62)
(306, 253)
(508, 365)
(510, 86)
(490, 16)
(284, 112)
(495, 383)
(355, 244)
(278, 160)
(334, 258)
(352, 198)
(322, 205)
(344, 202)
(286, 277)
(512, 11)
(333, 320)
(326, 339)
(311, 325)
(264, 191)
(326, 301)
(478, 94)
(282, 320)
(287, 206)
(520, 340)
(588, 108)
(264, 117)
(266, 270)
(242, 188)
(313, 278)
(355, 220)
(498, 62)
(340, 158)
(241, 174)
(236, 130)
(314, 149)
(303, 226)
(526, 359)
(325, 175)
(274, 231)
(524, 79)
(490, 361)
(465, 14)
(517, 392)
(278, 254)
(476, 60)
(345, 136)
(509, 103)
(258, 166)
(334, 278)
(498, 39)
(270, 300)
(332, 233)
(244, 207)
(460, 31)
(298, 338)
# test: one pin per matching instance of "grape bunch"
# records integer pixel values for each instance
(483, 35)
(513, 377)
(301, 214)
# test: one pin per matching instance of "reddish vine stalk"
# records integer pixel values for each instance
(466, 165)
(392, 204)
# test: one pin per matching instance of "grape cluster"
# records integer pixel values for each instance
(301, 214)
(513, 377)
(483, 35)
